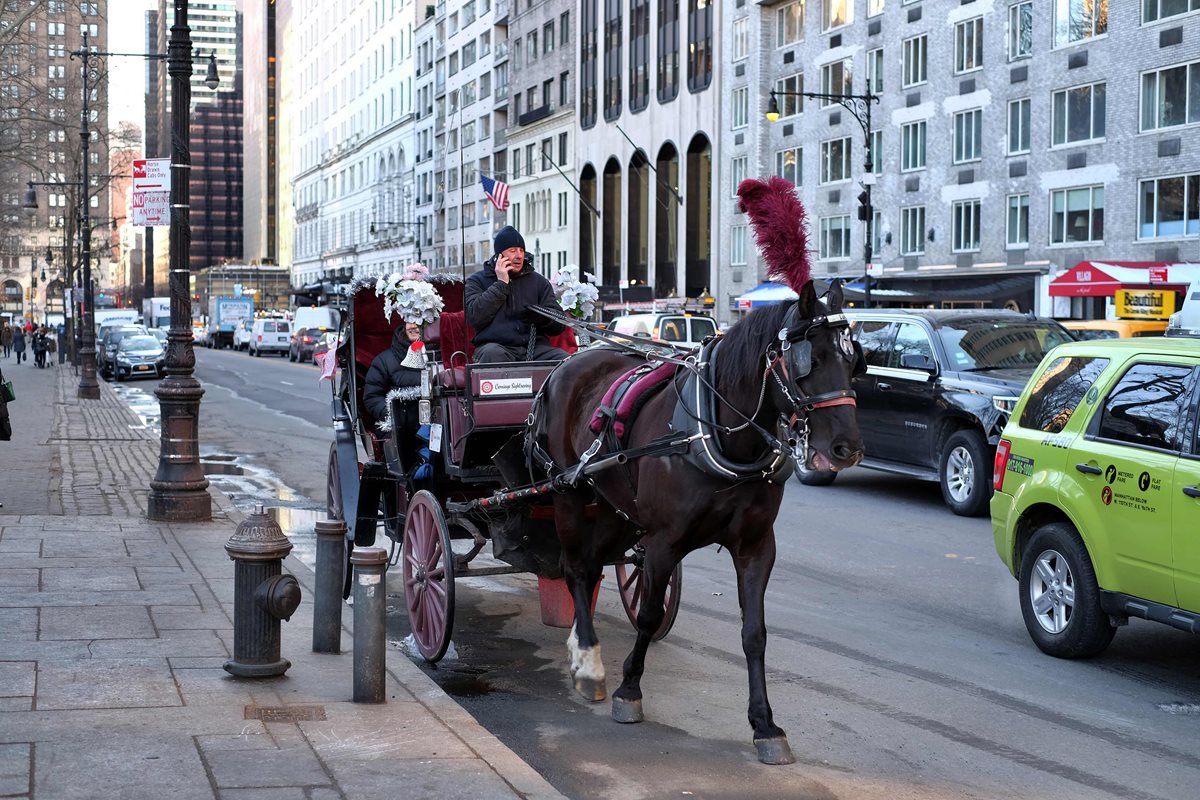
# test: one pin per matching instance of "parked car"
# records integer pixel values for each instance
(106, 349)
(938, 390)
(303, 342)
(1097, 492)
(241, 334)
(680, 329)
(1084, 329)
(138, 356)
(160, 334)
(270, 336)
(199, 334)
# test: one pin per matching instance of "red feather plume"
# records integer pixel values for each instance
(780, 228)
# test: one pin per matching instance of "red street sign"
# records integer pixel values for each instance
(1158, 275)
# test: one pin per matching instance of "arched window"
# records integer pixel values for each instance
(639, 54)
(668, 50)
(587, 65)
(699, 216)
(638, 245)
(612, 59)
(666, 223)
(700, 45)
(587, 219)
(610, 216)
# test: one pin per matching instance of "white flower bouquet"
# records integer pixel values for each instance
(410, 295)
(577, 298)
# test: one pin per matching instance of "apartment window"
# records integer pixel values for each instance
(612, 59)
(639, 54)
(915, 60)
(912, 146)
(789, 24)
(1154, 10)
(788, 95)
(968, 136)
(912, 231)
(1020, 30)
(877, 152)
(737, 245)
(1077, 215)
(531, 47)
(668, 50)
(516, 162)
(741, 107)
(548, 37)
(789, 165)
(741, 38)
(875, 71)
(737, 170)
(562, 149)
(1018, 221)
(700, 44)
(587, 94)
(835, 238)
(837, 78)
(1018, 126)
(966, 224)
(1169, 208)
(1171, 97)
(562, 209)
(835, 160)
(1076, 20)
(547, 154)
(564, 27)
(836, 13)
(968, 45)
(874, 7)
(1077, 115)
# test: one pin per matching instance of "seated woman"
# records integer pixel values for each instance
(395, 374)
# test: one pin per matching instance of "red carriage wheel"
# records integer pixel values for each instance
(427, 569)
(632, 586)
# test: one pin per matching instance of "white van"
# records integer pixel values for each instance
(683, 330)
(1186, 321)
(270, 336)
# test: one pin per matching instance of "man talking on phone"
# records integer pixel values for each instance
(499, 301)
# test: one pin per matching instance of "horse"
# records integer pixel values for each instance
(779, 379)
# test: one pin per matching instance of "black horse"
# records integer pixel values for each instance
(778, 380)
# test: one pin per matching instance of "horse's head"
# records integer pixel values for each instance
(814, 360)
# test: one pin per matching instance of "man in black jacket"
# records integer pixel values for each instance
(498, 300)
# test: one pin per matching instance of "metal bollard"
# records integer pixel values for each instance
(370, 607)
(262, 596)
(327, 602)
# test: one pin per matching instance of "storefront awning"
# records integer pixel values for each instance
(765, 294)
(1103, 278)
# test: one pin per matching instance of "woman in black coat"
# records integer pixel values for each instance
(18, 343)
(395, 374)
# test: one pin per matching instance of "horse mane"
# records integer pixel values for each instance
(741, 365)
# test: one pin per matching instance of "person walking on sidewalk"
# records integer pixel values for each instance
(18, 343)
(39, 347)
(51, 347)
(6, 332)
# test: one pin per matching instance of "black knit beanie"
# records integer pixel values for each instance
(508, 237)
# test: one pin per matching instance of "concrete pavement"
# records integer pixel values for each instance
(114, 629)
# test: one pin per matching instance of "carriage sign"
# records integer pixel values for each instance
(150, 200)
(496, 387)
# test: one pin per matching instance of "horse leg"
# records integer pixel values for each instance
(581, 568)
(753, 567)
(656, 571)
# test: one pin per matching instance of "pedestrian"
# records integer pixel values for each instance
(39, 347)
(5, 425)
(18, 343)
(6, 333)
(51, 347)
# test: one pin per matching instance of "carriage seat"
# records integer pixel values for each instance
(452, 337)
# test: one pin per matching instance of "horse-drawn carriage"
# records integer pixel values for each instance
(476, 498)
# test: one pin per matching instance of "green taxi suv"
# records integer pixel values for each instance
(1096, 509)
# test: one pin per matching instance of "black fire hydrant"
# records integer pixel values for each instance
(262, 596)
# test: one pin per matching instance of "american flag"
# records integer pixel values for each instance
(497, 192)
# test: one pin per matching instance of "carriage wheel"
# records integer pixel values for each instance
(632, 586)
(427, 568)
(333, 486)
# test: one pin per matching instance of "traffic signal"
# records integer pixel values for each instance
(864, 206)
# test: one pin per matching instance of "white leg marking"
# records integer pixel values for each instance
(585, 662)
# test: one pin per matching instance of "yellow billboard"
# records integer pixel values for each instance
(1144, 303)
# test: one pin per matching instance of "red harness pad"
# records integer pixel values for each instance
(629, 392)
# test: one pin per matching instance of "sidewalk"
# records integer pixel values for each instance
(114, 629)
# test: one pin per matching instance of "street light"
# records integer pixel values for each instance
(859, 106)
(418, 224)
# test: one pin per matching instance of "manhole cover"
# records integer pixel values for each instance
(286, 713)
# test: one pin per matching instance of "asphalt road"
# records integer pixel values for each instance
(897, 659)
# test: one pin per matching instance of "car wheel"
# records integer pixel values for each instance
(258, 352)
(965, 474)
(814, 477)
(291, 356)
(1060, 599)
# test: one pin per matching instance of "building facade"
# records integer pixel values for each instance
(260, 132)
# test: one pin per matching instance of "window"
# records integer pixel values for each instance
(874, 8)
(1169, 208)
(877, 232)
(912, 231)
(875, 338)
(1078, 114)
(668, 50)
(1171, 97)
(1018, 220)
(968, 45)
(1147, 407)
(875, 71)
(1058, 391)
(912, 146)
(639, 54)
(531, 47)
(837, 78)
(835, 237)
(911, 340)
(1077, 215)
(1076, 20)
(700, 44)
(737, 245)
(1020, 31)
(788, 94)
(587, 60)
(548, 37)
(562, 149)
(612, 59)
(835, 160)
(877, 153)
(564, 92)
(968, 136)
(789, 165)
(915, 61)
(564, 27)
(789, 24)
(1154, 10)
(737, 170)
(741, 107)
(547, 154)
(836, 13)
(741, 38)
(965, 218)
(1018, 126)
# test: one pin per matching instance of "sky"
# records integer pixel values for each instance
(127, 76)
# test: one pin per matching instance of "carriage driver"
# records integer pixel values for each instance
(498, 300)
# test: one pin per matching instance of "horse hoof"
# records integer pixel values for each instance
(774, 751)
(626, 711)
(591, 689)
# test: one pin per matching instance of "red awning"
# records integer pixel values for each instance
(1104, 278)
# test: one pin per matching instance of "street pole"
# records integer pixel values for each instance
(869, 180)
(179, 490)
(89, 386)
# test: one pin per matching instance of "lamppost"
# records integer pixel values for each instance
(859, 106)
(416, 223)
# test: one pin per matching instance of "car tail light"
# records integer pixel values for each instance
(260, 337)
(1001, 466)
(308, 340)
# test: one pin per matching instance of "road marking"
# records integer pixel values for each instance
(287, 383)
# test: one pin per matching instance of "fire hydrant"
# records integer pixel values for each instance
(262, 596)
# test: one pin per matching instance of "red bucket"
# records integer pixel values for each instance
(558, 608)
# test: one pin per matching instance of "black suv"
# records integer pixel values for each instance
(938, 391)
